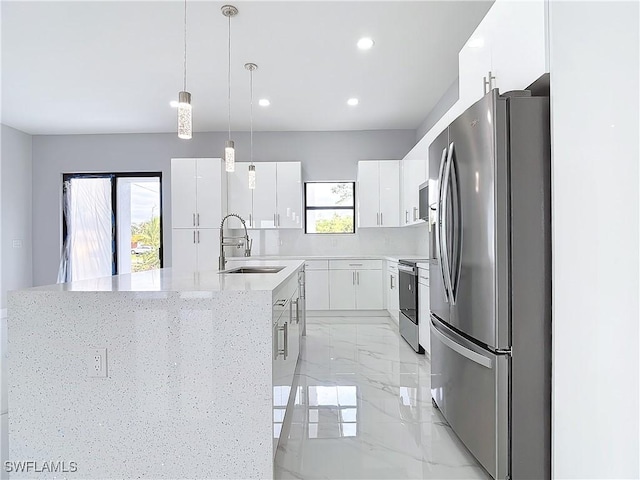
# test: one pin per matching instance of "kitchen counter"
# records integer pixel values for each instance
(391, 257)
(170, 280)
(188, 385)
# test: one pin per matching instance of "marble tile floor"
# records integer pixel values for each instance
(363, 409)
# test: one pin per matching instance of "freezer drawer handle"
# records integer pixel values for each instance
(465, 352)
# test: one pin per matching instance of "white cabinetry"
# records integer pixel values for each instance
(424, 320)
(198, 203)
(317, 284)
(197, 197)
(511, 43)
(378, 193)
(355, 284)
(414, 172)
(393, 300)
(286, 350)
(276, 202)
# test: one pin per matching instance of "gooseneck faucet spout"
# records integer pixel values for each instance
(233, 241)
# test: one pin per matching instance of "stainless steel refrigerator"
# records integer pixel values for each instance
(490, 282)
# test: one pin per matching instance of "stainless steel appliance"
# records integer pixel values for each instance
(490, 288)
(408, 300)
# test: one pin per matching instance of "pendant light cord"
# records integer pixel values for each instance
(185, 46)
(229, 77)
(251, 117)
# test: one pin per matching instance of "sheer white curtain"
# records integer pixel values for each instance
(88, 248)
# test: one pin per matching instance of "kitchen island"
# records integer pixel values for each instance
(186, 388)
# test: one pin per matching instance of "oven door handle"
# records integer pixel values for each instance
(407, 269)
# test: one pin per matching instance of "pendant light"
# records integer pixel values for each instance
(229, 150)
(252, 168)
(184, 98)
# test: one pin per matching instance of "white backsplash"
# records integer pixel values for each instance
(412, 240)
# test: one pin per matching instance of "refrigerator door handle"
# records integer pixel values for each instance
(439, 224)
(456, 266)
(465, 352)
(446, 265)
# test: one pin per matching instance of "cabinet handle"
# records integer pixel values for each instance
(381, 219)
(286, 340)
(377, 218)
(391, 281)
(278, 217)
(358, 278)
(406, 216)
(198, 236)
(197, 220)
(274, 220)
(415, 214)
(250, 220)
(353, 278)
(194, 219)
(294, 311)
(194, 236)
(488, 82)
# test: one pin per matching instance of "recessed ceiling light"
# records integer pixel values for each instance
(477, 42)
(264, 102)
(365, 43)
(174, 103)
(352, 101)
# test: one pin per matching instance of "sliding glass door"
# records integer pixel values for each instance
(112, 223)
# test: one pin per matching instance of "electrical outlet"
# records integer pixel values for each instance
(97, 362)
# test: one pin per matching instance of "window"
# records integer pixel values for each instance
(329, 207)
(112, 223)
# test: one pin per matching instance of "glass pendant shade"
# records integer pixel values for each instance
(184, 116)
(252, 177)
(229, 156)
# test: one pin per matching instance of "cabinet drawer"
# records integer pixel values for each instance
(355, 264)
(316, 264)
(423, 274)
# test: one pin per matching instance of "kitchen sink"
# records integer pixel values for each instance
(254, 270)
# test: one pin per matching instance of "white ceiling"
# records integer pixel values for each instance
(113, 67)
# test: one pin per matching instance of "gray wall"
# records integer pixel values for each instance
(448, 99)
(15, 205)
(324, 156)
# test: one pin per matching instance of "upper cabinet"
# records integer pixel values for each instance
(276, 202)
(378, 193)
(198, 193)
(414, 172)
(511, 43)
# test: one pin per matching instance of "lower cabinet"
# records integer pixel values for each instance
(317, 284)
(287, 332)
(195, 249)
(355, 285)
(424, 320)
(391, 286)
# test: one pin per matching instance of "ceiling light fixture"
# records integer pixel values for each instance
(352, 102)
(365, 43)
(264, 102)
(252, 168)
(185, 121)
(229, 150)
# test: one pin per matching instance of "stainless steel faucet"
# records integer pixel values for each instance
(233, 241)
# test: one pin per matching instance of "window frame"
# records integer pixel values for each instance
(330, 207)
(114, 176)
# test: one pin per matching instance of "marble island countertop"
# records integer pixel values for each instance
(174, 280)
(392, 257)
(187, 369)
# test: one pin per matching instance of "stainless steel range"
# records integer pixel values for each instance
(408, 292)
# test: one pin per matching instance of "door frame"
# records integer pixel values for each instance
(113, 176)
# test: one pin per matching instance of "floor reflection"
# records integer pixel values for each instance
(363, 409)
